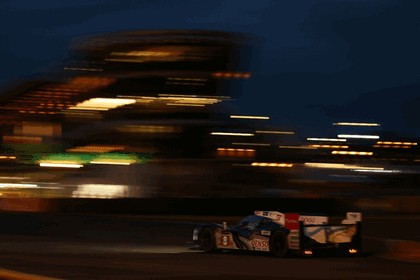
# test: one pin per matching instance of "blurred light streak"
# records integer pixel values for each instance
(185, 104)
(96, 149)
(249, 117)
(231, 152)
(352, 153)
(251, 144)
(15, 185)
(298, 147)
(235, 150)
(149, 129)
(237, 75)
(111, 162)
(274, 132)
(83, 69)
(329, 146)
(392, 146)
(100, 191)
(64, 165)
(326, 139)
(231, 134)
(356, 124)
(188, 79)
(13, 178)
(271, 164)
(102, 104)
(115, 159)
(339, 166)
(143, 53)
(396, 143)
(358, 136)
(15, 139)
(376, 171)
(7, 157)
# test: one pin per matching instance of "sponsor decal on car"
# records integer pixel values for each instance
(259, 244)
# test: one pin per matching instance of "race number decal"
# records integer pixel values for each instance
(224, 240)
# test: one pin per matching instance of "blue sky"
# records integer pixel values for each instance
(313, 57)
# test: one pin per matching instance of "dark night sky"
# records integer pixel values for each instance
(318, 62)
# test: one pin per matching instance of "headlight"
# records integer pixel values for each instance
(195, 234)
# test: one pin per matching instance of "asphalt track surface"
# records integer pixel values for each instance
(103, 247)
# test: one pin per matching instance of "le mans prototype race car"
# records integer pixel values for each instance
(283, 233)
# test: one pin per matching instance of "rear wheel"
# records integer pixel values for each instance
(278, 244)
(206, 240)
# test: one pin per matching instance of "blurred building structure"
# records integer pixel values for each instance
(163, 96)
(149, 113)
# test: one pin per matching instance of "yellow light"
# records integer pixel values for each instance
(356, 124)
(102, 104)
(329, 146)
(272, 164)
(339, 166)
(274, 132)
(326, 139)
(308, 252)
(352, 251)
(96, 149)
(232, 134)
(396, 143)
(7, 157)
(352, 153)
(358, 136)
(235, 150)
(143, 53)
(250, 117)
(112, 162)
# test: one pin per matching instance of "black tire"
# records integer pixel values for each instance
(278, 244)
(206, 240)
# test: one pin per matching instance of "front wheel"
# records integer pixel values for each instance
(206, 240)
(278, 244)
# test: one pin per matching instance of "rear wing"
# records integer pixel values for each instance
(291, 220)
(314, 231)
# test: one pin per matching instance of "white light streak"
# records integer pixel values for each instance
(232, 134)
(356, 124)
(64, 165)
(326, 139)
(250, 117)
(14, 185)
(358, 136)
(376, 171)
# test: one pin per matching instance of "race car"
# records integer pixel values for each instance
(283, 233)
